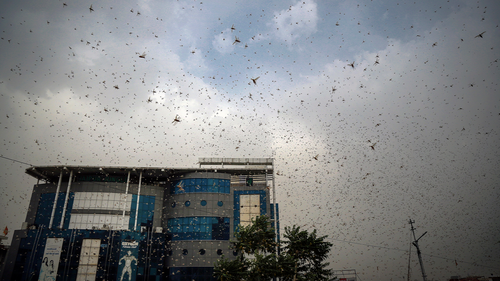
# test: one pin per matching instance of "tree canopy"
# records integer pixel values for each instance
(301, 256)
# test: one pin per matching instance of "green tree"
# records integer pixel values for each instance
(309, 253)
(256, 238)
(302, 257)
(227, 270)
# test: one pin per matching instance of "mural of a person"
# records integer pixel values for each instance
(47, 272)
(128, 259)
(51, 267)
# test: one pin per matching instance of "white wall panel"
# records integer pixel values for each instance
(100, 201)
(249, 208)
(87, 267)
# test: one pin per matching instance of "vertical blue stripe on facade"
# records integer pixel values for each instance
(277, 226)
(146, 212)
(45, 209)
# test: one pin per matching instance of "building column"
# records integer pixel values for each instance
(125, 201)
(138, 199)
(55, 200)
(275, 209)
(66, 199)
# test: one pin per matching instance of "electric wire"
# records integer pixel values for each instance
(1, 156)
(401, 250)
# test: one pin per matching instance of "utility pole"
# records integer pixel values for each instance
(409, 262)
(415, 243)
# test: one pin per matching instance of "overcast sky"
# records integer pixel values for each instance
(398, 100)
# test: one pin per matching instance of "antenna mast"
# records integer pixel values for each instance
(415, 243)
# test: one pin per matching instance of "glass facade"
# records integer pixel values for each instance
(191, 230)
(191, 273)
(100, 210)
(146, 212)
(98, 221)
(45, 209)
(102, 201)
(199, 228)
(201, 185)
(96, 210)
(92, 255)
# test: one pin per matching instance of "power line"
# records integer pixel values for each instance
(1, 156)
(396, 249)
(382, 247)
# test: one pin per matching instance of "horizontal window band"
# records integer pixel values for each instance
(99, 212)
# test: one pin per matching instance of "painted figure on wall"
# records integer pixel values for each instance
(128, 259)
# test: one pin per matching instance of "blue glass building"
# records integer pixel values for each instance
(125, 223)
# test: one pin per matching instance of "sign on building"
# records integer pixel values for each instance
(50, 261)
(127, 264)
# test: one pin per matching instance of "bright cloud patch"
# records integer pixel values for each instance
(224, 42)
(298, 20)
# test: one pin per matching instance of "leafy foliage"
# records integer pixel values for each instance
(257, 237)
(309, 252)
(231, 270)
(302, 258)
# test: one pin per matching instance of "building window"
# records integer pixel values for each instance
(201, 185)
(220, 203)
(89, 257)
(45, 207)
(219, 252)
(249, 181)
(199, 228)
(203, 202)
(185, 252)
(202, 252)
(190, 273)
(240, 195)
(249, 208)
(103, 210)
(146, 211)
(187, 203)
